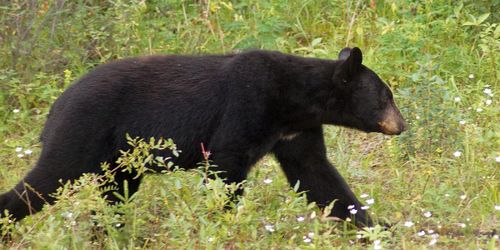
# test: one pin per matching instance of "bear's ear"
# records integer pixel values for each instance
(344, 53)
(352, 59)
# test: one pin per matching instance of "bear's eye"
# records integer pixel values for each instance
(344, 80)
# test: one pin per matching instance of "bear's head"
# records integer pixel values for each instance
(361, 99)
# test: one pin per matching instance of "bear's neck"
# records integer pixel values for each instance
(306, 85)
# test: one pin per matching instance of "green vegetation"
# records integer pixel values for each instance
(437, 184)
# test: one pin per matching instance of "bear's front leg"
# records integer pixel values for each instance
(303, 159)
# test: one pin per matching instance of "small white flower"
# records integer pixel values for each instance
(359, 236)
(370, 201)
(19, 149)
(268, 181)
(310, 235)
(421, 233)
(307, 239)
(16, 110)
(462, 122)
(457, 154)
(471, 76)
(210, 239)
(428, 214)
(300, 218)
(462, 225)
(353, 211)
(487, 91)
(446, 195)
(269, 228)
(433, 242)
(28, 152)
(20, 155)
(457, 99)
(73, 223)
(488, 102)
(363, 196)
(365, 207)
(497, 207)
(430, 231)
(479, 110)
(350, 207)
(376, 244)
(118, 225)
(495, 236)
(497, 159)
(463, 196)
(417, 117)
(435, 236)
(348, 219)
(409, 224)
(377, 247)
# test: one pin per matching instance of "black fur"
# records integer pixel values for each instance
(241, 106)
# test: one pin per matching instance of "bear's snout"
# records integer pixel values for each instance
(392, 122)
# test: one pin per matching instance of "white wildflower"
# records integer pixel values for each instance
(350, 207)
(497, 207)
(365, 207)
(353, 211)
(433, 242)
(370, 201)
(421, 233)
(210, 239)
(428, 214)
(20, 155)
(300, 218)
(462, 225)
(463, 196)
(269, 228)
(363, 196)
(19, 149)
(471, 76)
(488, 102)
(479, 110)
(457, 154)
(462, 122)
(307, 239)
(497, 159)
(28, 152)
(268, 181)
(409, 224)
(16, 110)
(487, 91)
(310, 235)
(457, 99)
(430, 231)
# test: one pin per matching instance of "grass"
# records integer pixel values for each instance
(439, 56)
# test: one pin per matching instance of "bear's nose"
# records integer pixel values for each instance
(392, 123)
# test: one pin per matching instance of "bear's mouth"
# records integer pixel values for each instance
(392, 122)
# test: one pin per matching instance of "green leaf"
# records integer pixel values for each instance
(482, 18)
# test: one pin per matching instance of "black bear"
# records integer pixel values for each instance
(242, 106)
